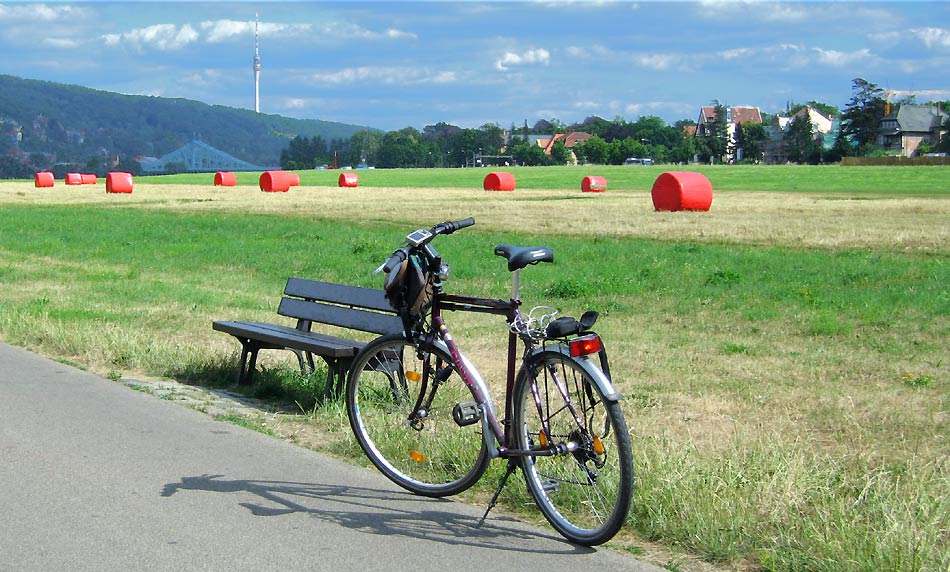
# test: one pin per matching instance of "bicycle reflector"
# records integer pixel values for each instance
(584, 346)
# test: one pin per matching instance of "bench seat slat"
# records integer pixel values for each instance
(340, 316)
(309, 302)
(355, 296)
(284, 336)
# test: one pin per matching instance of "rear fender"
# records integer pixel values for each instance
(589, 366)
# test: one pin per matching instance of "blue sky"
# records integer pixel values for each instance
(395, 64)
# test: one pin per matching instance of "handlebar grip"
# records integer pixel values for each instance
(451, 226)
(395, 259)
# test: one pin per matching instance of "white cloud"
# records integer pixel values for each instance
(835, 58)
(395, 34)
(737, 53)
(348, 31)
(61, 43)
(661, 62)
(592, 51)
(536, 56)
(385, 75)
(162, 37)
(41, 12)
(217, 31)
(933, 37)
(752, 10)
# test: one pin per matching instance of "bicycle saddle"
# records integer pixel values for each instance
(520, 256)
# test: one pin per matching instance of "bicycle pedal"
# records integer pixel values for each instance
(466, 413)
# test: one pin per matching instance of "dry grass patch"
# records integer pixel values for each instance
(745, 217)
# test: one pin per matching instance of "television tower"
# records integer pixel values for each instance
(257, 70)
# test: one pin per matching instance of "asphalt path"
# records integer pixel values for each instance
(96, 476)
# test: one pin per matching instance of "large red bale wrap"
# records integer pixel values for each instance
(349, 180)
(119, 182)
(278, 181)
(678, 191)
(89, 178)
(225, 179)
(73, 179)
(594, 184)
(499, 182)
(44, 179)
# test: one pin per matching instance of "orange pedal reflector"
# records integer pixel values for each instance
(543, 438)
(417, 456)
(413, 376)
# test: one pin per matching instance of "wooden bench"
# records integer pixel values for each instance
(309, 301)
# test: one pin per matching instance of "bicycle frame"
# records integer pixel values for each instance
(509, 309)
(490, 422)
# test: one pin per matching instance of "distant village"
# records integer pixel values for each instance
(906, 129)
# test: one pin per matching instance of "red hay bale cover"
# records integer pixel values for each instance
(278, 181)
(73, 179)
(593, 184)
(44, 179)
(89, 179)
(119, 183)
(499, 182)
(225, 179)
(676, 191)
(349, 180)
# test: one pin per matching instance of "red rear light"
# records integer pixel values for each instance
(585, 346)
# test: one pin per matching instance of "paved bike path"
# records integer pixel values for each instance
(96, 476)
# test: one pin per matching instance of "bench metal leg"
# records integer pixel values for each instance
(249, 351)
(337, 370)
(248, 363)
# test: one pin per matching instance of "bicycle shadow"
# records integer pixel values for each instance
(382, 512)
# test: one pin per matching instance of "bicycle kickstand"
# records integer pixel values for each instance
(512, 467)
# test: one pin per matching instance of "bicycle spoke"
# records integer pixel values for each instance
(400, 404)
(585, 491)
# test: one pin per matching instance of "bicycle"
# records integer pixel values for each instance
(426, 419)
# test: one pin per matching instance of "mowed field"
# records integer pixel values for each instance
(783, 356)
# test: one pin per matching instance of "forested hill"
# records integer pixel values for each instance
(72, 124)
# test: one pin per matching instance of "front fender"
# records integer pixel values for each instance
(476, 376)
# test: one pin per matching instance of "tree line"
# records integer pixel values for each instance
(47, 126)
(612, 142)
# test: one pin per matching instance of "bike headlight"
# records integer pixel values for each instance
(443, 272)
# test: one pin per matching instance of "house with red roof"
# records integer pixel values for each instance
(546, 142)
(734, 116)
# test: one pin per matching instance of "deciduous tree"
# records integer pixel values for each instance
(860, 120)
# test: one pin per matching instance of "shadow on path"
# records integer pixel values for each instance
(381, 512)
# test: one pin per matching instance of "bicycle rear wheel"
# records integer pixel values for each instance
(400, 401)
(585, 493)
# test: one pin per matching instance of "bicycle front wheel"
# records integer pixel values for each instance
(400, 402)
(584, 489)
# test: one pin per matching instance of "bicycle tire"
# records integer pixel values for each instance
(427, 453)
(585, 494)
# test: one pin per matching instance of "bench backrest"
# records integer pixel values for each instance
(351, 307)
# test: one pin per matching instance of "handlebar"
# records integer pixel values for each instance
(449, 227)
(420, 239)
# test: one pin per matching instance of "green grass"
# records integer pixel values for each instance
(913, 181)
(788, 405)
